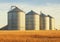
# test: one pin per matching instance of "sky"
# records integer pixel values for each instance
(48, 7)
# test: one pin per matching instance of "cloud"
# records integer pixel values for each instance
(31, 2)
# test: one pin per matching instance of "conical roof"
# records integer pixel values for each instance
(49, 16)
(16, 9)
(31, 13)
(42, 14)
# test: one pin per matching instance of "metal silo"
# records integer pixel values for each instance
(51, 22)
(32, 21)
(16, 19)
(42, 21)
(47, 23)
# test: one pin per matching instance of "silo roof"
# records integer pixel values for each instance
(42, 14)
(32, 13)
(16, 9)
(49, 16)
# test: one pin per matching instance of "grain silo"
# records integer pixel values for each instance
(51, 22)
(32, 21)
(42, 21)
(16, 19)
(47, 24)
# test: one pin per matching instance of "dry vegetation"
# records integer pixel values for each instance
(29, 36)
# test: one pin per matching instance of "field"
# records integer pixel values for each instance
(29, 36)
